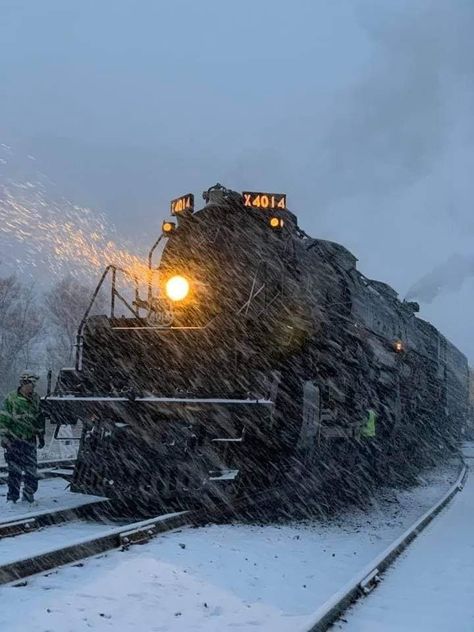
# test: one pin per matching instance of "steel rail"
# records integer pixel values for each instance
(122, 537)
(112, 538)
(363, 582)
(116, 538)
(26, 523)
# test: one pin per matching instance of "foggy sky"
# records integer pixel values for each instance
(360, 110)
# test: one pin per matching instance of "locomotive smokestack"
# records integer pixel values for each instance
(220, 196)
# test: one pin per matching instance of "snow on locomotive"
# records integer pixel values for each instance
(250, 363)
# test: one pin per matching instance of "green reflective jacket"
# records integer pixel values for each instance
(368, 425)
(21, 417)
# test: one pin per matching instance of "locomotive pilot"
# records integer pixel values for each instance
(21, 430)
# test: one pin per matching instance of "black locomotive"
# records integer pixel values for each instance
(249, 362)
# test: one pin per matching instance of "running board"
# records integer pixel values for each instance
(224, 475)
(227, 440)
(164, 400)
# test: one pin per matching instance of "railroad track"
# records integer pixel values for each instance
(370, 576)
(17, 571)
(109, 538)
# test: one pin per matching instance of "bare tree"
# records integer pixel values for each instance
(66, 303)
(21, 323)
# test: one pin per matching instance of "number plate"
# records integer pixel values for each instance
(183, 203)
(264, 201)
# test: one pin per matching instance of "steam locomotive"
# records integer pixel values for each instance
(247, 360)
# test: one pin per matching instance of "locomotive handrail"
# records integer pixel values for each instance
(114, 294)
(150, 267)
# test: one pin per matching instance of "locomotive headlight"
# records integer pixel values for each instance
(398, 346)
(168, 227)
(177, 288)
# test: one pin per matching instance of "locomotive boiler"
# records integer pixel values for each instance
(247, 362)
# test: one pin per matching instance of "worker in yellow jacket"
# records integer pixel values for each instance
(21, 431)
(368, 429)
(367, 434)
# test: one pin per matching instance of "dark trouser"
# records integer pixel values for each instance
(21, 457)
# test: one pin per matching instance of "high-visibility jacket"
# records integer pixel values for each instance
(21, 417)
(368, 429)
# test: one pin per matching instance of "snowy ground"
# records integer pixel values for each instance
(430, 588)
(218, 577)
(46, 539)
(53, 494)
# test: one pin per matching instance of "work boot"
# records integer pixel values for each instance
(26, 498)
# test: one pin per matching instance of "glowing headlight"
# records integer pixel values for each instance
(177, 288)
(168, 227)
(398, 346)
(276, 223)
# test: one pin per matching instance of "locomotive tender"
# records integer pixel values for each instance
(250, 362)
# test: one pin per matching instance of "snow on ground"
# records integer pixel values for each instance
(430, 588)
(47, 539)
(240, 577)
(53, 494)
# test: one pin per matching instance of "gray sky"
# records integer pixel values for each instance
(361, 110)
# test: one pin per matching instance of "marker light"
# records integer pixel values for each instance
(168, 227)
(177, 288)
(398, 346)
(276, 222)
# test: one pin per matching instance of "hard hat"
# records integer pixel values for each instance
(28, 377)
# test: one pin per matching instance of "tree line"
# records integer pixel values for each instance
(38, 329)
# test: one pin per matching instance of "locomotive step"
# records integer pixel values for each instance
(228, 440)
(225, 475)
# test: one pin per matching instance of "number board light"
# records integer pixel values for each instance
(264, 201)
(182, 204)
